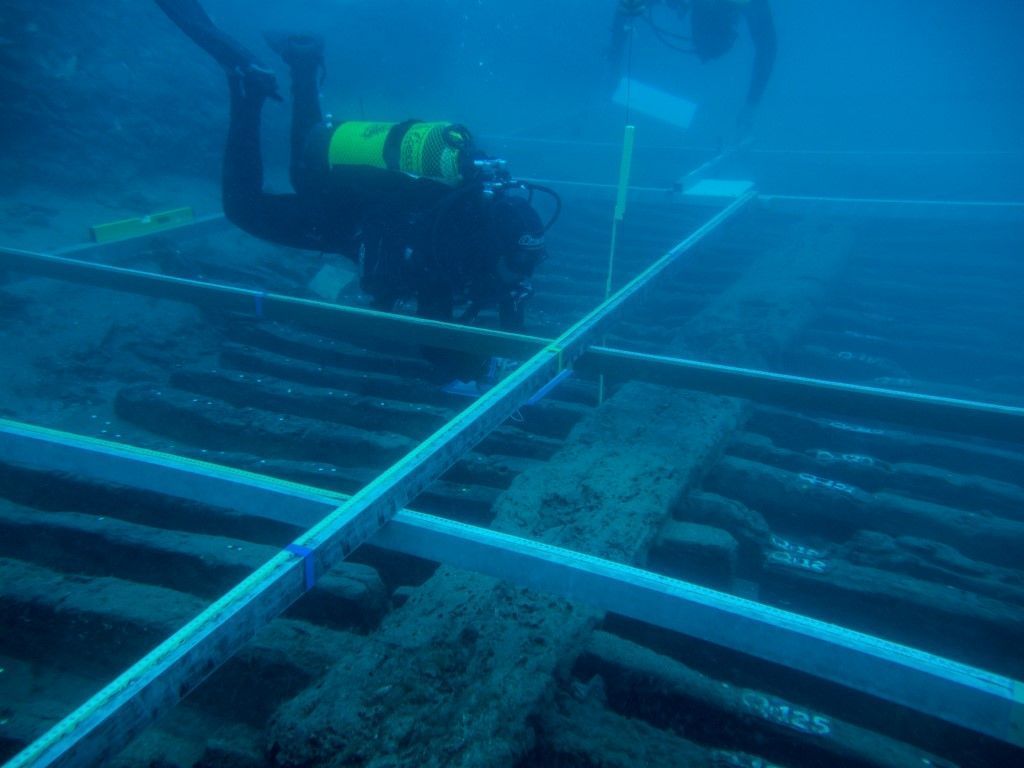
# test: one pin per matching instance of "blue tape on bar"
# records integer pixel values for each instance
(258, 301)
(310, 564)
(543, 391)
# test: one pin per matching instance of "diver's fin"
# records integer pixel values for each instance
(185, 12)
(235, 58)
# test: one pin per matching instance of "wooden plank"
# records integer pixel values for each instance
(122, 709)
(937, 687)
(922, 411)
(967, 696)
(693, 702)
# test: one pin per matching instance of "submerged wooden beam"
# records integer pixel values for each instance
(969, 697)
(103, 725)
(929, 412)
(915, 410)
(157, 682)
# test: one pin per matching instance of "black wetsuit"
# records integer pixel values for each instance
(713, 26)
(412, 237)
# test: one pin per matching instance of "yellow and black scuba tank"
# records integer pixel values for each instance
(437, 150)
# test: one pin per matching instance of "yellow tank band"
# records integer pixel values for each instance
(359, 143)
(426, 149)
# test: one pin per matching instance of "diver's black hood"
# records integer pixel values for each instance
(515, 227)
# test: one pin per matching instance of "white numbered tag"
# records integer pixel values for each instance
(848, 458)
(788, 559)
(784, 713)
(808, 480)
(854, 428)
(796, 549)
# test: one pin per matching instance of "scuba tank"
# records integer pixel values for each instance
(444, 153)
(438, 150)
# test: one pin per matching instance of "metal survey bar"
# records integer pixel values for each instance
(853, 207)
(978, 419)
(42, 449)
(969, 697)
(929, 412)
(891, 208)
(318, 314)
(273, 306)
(594, 321)
(123, 708)
(703, 170)
(938, 153)
(956, 693)
(636, 195)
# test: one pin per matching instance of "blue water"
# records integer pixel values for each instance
(885, 253)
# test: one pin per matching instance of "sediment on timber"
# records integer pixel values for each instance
(393, 660)
(608, 492)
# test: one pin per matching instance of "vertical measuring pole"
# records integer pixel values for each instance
(620, 212)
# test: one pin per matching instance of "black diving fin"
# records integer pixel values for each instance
(237, 60)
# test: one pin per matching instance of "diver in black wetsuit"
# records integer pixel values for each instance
(713, 31)
(424, 214)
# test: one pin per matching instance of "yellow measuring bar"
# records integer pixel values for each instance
(144, 225)
(624, 170)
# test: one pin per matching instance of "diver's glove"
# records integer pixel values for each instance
(255, 82)
(463, 388)
(497, 369)
(520, 294)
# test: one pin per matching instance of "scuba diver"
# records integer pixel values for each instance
(713, 32)
(423, 213)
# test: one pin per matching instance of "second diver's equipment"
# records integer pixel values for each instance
(441, 151)
(632, 7)
(438, 150)
(445, 152)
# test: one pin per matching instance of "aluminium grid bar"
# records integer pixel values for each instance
(937, 687)
(164, 676)
(842, 207)
(964, 417)
(909, 409)
(896, 208)
(270, 306)
(122, 709)
(509, 139)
